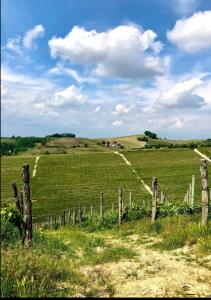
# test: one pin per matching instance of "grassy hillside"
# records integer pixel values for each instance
(64, 145)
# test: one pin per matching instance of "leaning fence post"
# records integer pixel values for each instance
(27, 218)
(205, 191)
(120, 206)
(154, 199)
(101, 206)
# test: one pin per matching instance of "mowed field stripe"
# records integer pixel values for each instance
(35, 166)
(202, 155)
(147, 188)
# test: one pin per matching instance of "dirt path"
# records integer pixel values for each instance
(157, 274)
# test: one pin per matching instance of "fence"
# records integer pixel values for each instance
(76, 215)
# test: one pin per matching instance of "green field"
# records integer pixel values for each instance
(65, 181)
(173, 168)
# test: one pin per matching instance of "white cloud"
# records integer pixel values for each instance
(68, 97)
(98, 108)
(183, 7)
(183, 95)
(13, 44)
(31, 35)
(117, 123)
(124, 52)
(192, 34)
(179, 123)
(25, 95)
(121, 109)
(61, 70)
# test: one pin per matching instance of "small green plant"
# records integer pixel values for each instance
(10, 222)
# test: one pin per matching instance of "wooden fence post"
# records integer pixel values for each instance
(205, 191)
(19, 208)
(130, 199)
(101, 206)
(79, 214)
(91, 211)
(61, 219)
(74, 215)
(192, 191)
(27, 217)
(69, 216)
(154, 199)
(162, 197)
(120, 206)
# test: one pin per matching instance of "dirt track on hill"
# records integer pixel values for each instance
(157, 274)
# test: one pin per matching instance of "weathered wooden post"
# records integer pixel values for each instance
(79, 214)
(205, 191)
(74, 216)
(101, 206)
(130, 199)
(192, 191)
(112, 208)
(120, 206)
(154, 199)
(21, 202)
(61, 219)
(19, 208)
(188, 196)
(69, 216)
(27, 211)
(15, 196)
(91, 211)
(161, 197)
(64, 217)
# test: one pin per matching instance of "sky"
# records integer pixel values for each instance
(101, 68)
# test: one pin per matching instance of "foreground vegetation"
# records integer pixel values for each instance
(63, 261)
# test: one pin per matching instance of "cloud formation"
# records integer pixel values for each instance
(68, 97)
(124, 52)
(117, 123)
(192, 34)
(182, 95)
(121, 109)
(31, 35)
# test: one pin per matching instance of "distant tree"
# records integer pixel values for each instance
(150, 134)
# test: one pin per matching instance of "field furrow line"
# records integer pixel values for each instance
(202, 155)
(147, 188)
(35, 166)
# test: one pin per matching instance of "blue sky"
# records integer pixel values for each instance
(106, 67)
